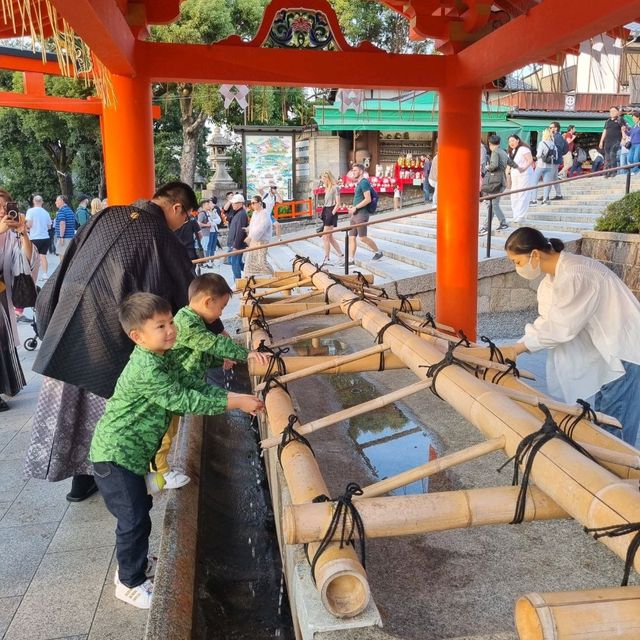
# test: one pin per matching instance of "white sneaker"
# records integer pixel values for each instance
(175, 479)
(149, 572)
(139, 596)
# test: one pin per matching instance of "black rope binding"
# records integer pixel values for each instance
(346, 517)
(614, 531)
(569, 422)
(434, 370)
(247, 287)
(289, 435)
(528, 448)
(326, 291)
(277, 367)
(380, 339)
(496, 355)
(429, 321)
(405, 304)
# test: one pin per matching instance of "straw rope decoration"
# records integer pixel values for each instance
(75, 59)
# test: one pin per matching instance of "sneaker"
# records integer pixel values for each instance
(502, 226)
(558, 198)
(377, 255)
(547, 202)
(533, 203)
(139, 596)
(149, 572)
(327, 263)
(483, 231)
(344, 263)
(175, 479)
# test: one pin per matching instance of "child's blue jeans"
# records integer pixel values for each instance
(125, 494)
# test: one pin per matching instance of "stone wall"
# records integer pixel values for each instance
(500, 288)
(618, 251)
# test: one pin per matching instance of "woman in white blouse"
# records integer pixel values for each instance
(521, 177)
(259, 233)
(590, 322)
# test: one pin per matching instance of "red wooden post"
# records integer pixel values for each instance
(458, 186)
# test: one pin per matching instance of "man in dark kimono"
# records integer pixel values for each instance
(118, 251)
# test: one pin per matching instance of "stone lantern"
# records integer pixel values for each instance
(221, 181)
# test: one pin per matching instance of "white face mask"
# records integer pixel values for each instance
(528, 271)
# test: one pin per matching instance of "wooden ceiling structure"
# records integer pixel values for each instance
(299, 43)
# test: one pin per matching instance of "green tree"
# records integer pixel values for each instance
(364, 20)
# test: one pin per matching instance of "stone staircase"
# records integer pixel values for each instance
(409, 246)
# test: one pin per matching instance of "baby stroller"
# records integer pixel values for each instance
(30, 344)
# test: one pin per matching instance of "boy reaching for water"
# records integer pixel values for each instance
(152, 386)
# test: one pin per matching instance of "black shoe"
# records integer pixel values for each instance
(503, 226)
(3, 405)
(557, 198)
(82, 487)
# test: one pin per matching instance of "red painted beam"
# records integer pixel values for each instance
(102, 26)
(549, 27)
(35, 65)
(220, 64)
(50, 103)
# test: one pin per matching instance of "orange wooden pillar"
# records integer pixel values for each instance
(458, 185)
(128, 141)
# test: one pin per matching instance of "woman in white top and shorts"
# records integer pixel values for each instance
(329, 216)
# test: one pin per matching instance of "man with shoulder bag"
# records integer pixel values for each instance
(495, 181)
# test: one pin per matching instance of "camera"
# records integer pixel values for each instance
(13, 211)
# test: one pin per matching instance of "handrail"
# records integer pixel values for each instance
(401, 216)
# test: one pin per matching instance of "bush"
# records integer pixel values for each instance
(622, 216)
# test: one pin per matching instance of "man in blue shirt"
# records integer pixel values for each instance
(359, 212)
(64, 224)
(562, 146)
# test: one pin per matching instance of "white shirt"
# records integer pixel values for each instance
(270, 200)
(591, 322)
(40, 223)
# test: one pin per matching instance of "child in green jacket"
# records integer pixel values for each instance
(152, 386)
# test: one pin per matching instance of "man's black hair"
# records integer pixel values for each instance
(179, 192)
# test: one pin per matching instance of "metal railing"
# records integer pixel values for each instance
(431, 209)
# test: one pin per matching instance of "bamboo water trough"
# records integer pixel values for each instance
(502, 407)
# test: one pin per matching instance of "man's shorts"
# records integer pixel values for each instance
(42, 246)
(357, 218)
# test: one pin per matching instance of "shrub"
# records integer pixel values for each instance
(622, 216)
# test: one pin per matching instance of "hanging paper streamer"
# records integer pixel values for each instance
(237, 92)
(351, 99)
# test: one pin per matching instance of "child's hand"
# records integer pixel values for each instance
(260, 357)
(228, 364)
(250, 404)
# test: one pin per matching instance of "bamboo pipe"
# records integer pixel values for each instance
(574, 482)
(298, 363)
(292, 316)
(419, 514)
(304, 282)
(319, 333)
(443, 327)
(340, 578)
(432, 467)
(291, 311)
(574, 410)
(280, 277)
(488, 364)
(334, 362)
(596, 614)
(584, 430)
(352, 412)
(299, 298)
(616, 457)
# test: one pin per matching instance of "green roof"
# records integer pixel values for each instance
(584, 125)
(411, 112)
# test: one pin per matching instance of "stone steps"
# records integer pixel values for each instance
(409, 246)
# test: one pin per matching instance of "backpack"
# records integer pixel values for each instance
(550, 155)
(581, 155)
(373, 205)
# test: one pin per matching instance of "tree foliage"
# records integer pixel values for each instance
(44, 150)
(364, 20)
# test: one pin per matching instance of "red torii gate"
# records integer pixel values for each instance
(480, 45)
